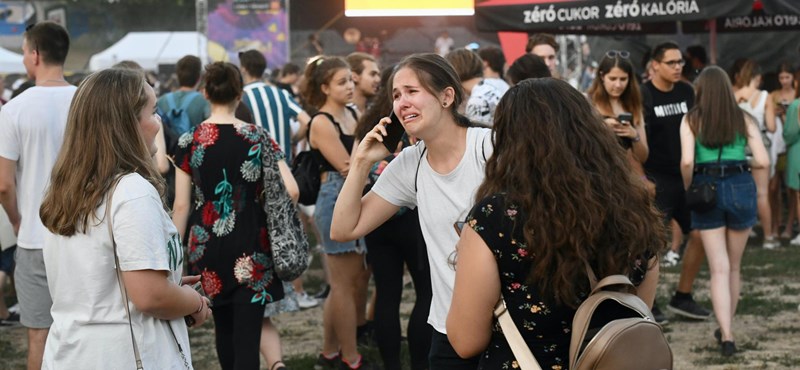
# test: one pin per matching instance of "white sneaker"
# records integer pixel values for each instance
(796, 241)
(304, 301)
(670, 259)
(771, 243)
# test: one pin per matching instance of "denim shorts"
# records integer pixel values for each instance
(323, 216)
(736, 203)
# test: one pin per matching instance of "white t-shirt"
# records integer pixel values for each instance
(498, 83)
(90, 327)
(482, 102)
(443, 199)
(443, 45)
(31, 132)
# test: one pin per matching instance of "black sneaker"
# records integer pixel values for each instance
(11, 320)
(324, 363)
(323, 293)
(365, 334)
(718, 335)
(687, 307)
(659, 316)
(728, 348)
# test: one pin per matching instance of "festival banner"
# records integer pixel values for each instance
(240, 25)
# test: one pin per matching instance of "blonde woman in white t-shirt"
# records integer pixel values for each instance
(439, 175)
(110, 137)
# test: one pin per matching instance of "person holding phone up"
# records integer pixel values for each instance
(615, 94)
(438, 176)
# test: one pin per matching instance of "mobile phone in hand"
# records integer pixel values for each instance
(394, 133)
(625, 118)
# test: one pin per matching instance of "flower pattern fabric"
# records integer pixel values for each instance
(546, 328)
(228, 243)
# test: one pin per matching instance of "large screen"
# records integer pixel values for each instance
(383, 8)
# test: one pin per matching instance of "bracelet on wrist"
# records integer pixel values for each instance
(199, 309)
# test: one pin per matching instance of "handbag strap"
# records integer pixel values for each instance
(522, 353)
(124, 291)
(119, 272)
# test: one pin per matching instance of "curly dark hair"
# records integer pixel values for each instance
(573, 180)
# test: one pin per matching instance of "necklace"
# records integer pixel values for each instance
(56, 81)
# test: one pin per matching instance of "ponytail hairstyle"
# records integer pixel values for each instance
(319, 71)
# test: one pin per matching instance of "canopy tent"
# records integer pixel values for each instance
(150, 49)
(10, 62)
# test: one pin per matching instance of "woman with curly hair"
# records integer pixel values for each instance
(550, 204)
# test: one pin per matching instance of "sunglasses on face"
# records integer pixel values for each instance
(674, 63)
(618, 53)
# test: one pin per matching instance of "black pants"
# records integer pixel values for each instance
(238, 329)
(397, 242)
(444, 357)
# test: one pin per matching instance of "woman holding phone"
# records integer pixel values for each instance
(393, 245)
(615, 94)
(438, 176)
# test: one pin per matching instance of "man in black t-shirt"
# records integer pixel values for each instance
(666, 100)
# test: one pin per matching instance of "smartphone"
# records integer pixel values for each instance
(394, 133)
(625, 118)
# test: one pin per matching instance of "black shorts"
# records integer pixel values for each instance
(671, 199)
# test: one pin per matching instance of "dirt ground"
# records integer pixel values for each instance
(766, 326)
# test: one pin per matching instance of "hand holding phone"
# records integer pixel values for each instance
(394, 133)
(625, 118)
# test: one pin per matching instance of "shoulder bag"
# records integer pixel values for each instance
(287, 239)
(124, 291)
(702, 197)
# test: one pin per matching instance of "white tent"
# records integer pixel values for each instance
(150, 49)
(10, 62)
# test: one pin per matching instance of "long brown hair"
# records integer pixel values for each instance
(575, 185)
(716, 120)
(631, 98)
(101, 141)
(319, 71)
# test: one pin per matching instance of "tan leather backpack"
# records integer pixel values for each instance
(615, 330)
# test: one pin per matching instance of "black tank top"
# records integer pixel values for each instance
(347, 140)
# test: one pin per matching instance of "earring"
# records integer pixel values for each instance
(444, 104)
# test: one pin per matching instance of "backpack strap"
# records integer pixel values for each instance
(416, 174)
(522, 353)
(188, 99)
(330, 117)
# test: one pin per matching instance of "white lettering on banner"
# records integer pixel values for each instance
(673, 109)
(550, 14)
(780, 20)
(620, 10)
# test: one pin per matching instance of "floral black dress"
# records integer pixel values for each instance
(228, 244)
(546, 328)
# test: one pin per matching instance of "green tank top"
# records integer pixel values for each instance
(732, 152)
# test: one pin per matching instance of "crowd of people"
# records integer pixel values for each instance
(132, 217)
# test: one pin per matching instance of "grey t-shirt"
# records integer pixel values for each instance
(443, 199)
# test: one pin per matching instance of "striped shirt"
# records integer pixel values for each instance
(273, 109)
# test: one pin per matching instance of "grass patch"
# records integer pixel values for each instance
(757, 306)
(787, 290)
